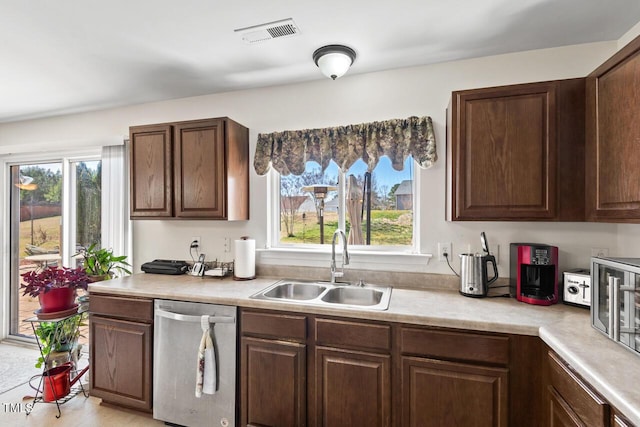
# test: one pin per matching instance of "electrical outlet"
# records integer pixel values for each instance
(227, 245)
(495, 251)
(601, 252)
(197, 243)
(444, 248)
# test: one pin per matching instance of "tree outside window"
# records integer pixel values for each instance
(390, 204)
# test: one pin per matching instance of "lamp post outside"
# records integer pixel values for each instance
(319, 193)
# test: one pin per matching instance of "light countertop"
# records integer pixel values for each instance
(611, 369)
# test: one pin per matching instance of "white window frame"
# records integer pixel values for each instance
(388, 258)
(66, 157)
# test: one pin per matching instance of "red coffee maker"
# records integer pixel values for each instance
(533, 274)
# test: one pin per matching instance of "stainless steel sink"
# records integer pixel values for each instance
(353, 296)
(295, 291)
(369, 297)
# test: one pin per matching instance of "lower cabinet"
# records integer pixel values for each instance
(352, 388)
(453, 378)
(273, 382)
(571, 401)
(121, 334)
(307, 370)
(439, 393)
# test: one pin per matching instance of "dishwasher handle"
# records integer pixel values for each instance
(194, 319)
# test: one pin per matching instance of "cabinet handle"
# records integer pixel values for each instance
(194, 319)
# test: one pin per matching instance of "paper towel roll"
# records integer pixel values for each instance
(245, 263)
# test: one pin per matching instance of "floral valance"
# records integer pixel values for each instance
(288, 151)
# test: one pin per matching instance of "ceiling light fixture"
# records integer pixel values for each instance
(334, 60)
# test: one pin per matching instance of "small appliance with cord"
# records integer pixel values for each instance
(533, 272)
(474, 279)
(577, 287)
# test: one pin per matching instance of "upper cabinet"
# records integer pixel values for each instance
(517, 152)
(195, 169)
(613, 138)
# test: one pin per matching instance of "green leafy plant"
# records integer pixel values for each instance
(102, 262)
(57, 337)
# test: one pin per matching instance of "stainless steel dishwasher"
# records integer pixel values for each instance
(177, 336)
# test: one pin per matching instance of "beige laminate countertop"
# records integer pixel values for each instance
(607, 366)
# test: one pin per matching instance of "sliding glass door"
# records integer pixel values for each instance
(55, 208)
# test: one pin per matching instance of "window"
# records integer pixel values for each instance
(376, 209)
(57, 205)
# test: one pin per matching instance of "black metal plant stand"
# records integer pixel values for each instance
(66, 329)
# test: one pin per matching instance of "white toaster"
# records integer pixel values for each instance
(577, 287)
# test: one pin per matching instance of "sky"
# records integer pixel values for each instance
(383, 174)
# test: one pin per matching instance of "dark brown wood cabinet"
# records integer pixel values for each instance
(453, 378)
(273, 383)
(517, 152)
(438, 393)
(299, 369)
(273, 369)
(571, 401)
(352, 388)
(195, 169)
(613, 132)
(352, 373)
(302, 370)
(121, 347)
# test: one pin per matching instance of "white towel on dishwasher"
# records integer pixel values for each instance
(206, 371)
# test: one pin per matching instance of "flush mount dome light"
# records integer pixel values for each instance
(334, 60)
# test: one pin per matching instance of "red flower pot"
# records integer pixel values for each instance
(57, 299)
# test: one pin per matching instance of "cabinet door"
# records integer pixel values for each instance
(121, 362)
(151, 174)
(589, 407)
(273, 383)
(503, 153)
(352, 388)
(560, 413)
(200, 169)
(437, 393)
(613, 132)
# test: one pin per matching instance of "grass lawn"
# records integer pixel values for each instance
(388, 227)
(44, 229)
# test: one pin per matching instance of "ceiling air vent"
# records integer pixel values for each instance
(271, 30)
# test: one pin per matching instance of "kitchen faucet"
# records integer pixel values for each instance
(345, 255)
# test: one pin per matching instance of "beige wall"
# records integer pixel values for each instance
(352, 99)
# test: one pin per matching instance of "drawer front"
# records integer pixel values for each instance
(591, 409)
(338, 333)
(455, 345)
(122, 307)
(274, 325)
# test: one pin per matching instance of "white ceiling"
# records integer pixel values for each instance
(66, 56)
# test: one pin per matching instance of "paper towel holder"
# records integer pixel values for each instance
(234, 270)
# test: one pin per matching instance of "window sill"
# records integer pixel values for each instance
(363, 260)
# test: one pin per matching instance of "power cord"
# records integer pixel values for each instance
(446, 257)
(192, 246)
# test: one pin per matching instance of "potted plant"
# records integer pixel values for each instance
(102, 264)
(55, 287)
(57, 338)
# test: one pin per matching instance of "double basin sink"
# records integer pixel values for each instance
(370, 297)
